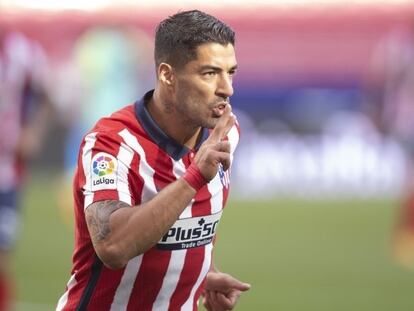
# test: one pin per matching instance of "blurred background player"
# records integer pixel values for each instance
(109, 67)
(391, 99)
(24, 109)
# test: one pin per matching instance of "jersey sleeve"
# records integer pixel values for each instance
(105, 165)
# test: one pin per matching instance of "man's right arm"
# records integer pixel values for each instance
(119, 232)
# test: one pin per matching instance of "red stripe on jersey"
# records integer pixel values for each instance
(155, 262)
(75, 294)
(105, 288)
(149, 279)
(135, 181)
(105, 195)
(163, 167)
(106, 143)
(202, 204)
(192, 267)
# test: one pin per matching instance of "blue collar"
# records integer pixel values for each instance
(169, 145)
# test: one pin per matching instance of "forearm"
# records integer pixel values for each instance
(132, 231)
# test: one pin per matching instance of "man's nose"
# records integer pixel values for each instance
(225, 86)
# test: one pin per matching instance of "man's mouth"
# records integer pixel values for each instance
(219, 110)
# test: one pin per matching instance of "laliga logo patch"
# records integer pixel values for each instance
(224, 176)
(104, 168)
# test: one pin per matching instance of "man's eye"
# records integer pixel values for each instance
(210, 73)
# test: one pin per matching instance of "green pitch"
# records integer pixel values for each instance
(298, 255)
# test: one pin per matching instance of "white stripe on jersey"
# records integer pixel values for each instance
(179, 170)
(126, 285)
(188, 305)
(125, 156)
(145, 170)
(64, 299)
(216, 190)
(90, 140)
(170, 281)
(233, 137)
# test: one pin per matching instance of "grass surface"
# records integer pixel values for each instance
(297, 255)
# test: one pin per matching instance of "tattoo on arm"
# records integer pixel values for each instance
(97, 217)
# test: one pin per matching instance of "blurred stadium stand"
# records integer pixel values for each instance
(301, 72)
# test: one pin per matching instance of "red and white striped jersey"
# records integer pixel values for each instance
(127, 157)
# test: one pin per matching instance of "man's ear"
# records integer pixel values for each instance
(166, 74)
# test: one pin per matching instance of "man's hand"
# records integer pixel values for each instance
(222, 291)
(215, 150)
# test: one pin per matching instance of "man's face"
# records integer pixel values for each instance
(204, 85)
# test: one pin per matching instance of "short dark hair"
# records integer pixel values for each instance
(178, 36)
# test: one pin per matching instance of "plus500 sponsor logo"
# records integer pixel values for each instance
(190, 232)
(180, 234)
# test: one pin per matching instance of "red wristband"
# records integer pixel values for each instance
(194, 177)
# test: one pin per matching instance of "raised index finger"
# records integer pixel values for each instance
(223, 126)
